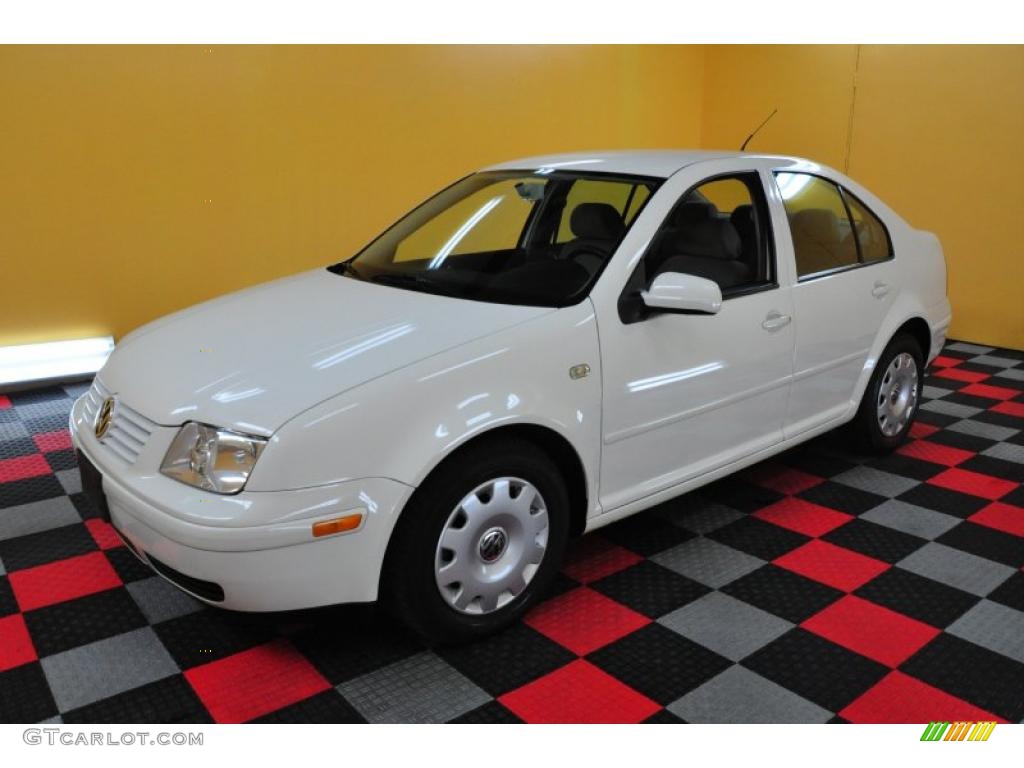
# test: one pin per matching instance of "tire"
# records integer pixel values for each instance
(451, 569)
(892, 397)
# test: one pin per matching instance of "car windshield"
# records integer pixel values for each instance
(513, 237)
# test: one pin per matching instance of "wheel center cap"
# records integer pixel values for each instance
(493, 544)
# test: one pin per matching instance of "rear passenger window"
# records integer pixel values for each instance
(872, 236)
(719, 231)
(823, 238)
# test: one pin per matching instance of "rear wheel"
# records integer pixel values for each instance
(480, 540)
(892, 396)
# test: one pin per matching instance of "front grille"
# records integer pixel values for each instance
(204, 589)
(129, 430)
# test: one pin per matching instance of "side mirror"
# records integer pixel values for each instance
(689, 294)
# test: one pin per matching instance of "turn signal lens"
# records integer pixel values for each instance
(337, 525)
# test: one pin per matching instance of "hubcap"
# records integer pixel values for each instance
(897, 395)
(491, 545)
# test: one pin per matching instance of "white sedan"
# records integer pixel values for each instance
(542, 348)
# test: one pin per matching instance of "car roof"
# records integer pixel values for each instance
(641, 162)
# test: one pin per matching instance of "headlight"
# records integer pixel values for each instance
(217, 460)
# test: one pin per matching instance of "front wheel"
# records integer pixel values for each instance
(892, 396)
(479, 542)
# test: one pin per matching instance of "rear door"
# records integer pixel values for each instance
(845, 284)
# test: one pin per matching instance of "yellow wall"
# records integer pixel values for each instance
(935, 131)
(110, 154)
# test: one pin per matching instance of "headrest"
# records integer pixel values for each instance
(690, 212)
(742, 216)
(709, 238)
(597, 221)
(818, 224)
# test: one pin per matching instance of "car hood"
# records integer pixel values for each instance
(252, 360)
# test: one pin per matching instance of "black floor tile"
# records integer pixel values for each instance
(815, 668)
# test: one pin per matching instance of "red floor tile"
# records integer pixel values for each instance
(579, 693)
(53, 441)
(919, 429)
(592, 558)
(899, 698)
(836, 566)
(21, 467)
(15, 644)
(957, 374)
(946, 362)
(254, 682)
(974, 483)
(64, 580)
(1010, 409)
(871, 630)
(103, 534)
(935, 453)
(803, 516)
(783, 479)
(991, 392)
(1002, 517)
(583, 620)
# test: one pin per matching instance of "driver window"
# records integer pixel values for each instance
(719, 231)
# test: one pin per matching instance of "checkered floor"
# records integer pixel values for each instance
(821, 586)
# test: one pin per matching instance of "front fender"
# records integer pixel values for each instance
(402, 425)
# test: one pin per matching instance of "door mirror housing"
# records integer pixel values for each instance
(687, 294)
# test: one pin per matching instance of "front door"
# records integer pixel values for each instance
(686, 394)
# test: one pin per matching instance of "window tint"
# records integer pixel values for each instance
(612, 193)
(872, 235)
(495, 236)
(822, 236)
(489, 219)
(718, 230)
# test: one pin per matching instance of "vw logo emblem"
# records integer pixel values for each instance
(103, 418)
(492, 545)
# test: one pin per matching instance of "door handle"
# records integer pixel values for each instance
(880, 289)
(776, 320)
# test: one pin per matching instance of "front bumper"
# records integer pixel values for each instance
(257, 547)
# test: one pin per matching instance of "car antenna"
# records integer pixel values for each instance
(762, 125)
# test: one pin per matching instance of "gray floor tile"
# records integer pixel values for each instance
(726, 625)
(981, 429)
(929, 392)
(995, 361)
(912, 519)
(58, 407)
(708, 562)
(971, 349)
(876, 481)
(107, 667)
(37, 516)
(738, 695)
(950, 409)
(70, 480)
(419, 689)
(1006, 452)
(994, 626)
(1016, 374)
(13, 430)
(958, 569)
(160, 601)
